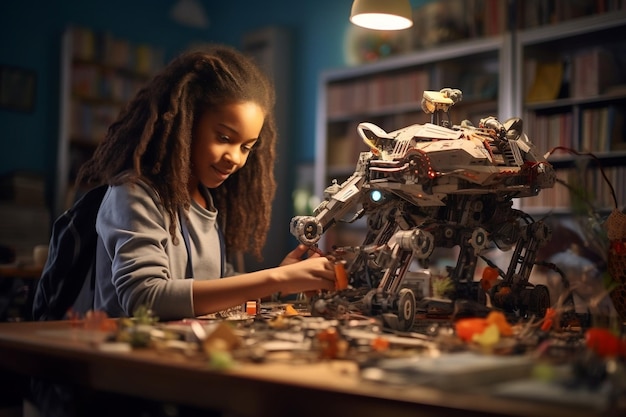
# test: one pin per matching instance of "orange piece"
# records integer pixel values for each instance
(504, 291)
(251, 308)
(490, 274)
(489, 278)
(604, 343)
(290, 311)
(466, 328)
(341, 276)
(548, 319)
(329, 343)
(498, 318)
(380, 344)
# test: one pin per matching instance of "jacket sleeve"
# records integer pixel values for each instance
(134, 230)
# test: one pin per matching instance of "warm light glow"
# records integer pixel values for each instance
(380, 21)
(382, 14)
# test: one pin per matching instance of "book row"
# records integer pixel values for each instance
(601, 129)
(106, 49)
(578, 185)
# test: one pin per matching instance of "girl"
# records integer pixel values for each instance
(189, 163)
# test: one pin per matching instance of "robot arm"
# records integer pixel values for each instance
(338, 201)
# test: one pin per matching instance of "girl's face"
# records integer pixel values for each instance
(223, 139)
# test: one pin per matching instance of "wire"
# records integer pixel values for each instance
(593, 156)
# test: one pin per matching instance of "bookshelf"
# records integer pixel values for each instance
(572, 92)
(99, 74)
(495, 70)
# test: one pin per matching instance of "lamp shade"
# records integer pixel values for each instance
(382, 14)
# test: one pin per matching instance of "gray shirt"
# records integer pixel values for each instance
(138, 263)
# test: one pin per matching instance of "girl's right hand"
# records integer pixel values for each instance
(298, 254)
(311, 274)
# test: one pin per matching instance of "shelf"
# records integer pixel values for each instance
(580, 101)
(588, 113)
(572, 30)
(99, 74)
(456, 50)
(566, 42)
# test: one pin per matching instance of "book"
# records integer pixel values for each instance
(547, 81)
(593, 71)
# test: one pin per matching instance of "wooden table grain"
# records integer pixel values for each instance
(329, 388)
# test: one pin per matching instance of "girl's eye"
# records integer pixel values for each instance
(224, 138)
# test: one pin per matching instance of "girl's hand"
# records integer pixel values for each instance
(297, 254)
(310, 274)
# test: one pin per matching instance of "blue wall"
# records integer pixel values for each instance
(31, 33)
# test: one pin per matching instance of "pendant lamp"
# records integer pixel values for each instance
(382, 14)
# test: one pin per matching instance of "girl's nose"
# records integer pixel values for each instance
(234, 155)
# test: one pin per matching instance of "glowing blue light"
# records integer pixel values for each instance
(376, 196)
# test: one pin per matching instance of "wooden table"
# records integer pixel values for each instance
(21, 271)
(326, 389)
(18, 286)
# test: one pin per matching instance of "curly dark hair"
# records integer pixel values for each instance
(151, 139)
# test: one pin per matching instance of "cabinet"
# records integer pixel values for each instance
(571, 92)
(498, 76)
(99, 74)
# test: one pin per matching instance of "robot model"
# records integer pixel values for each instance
(435, 185)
